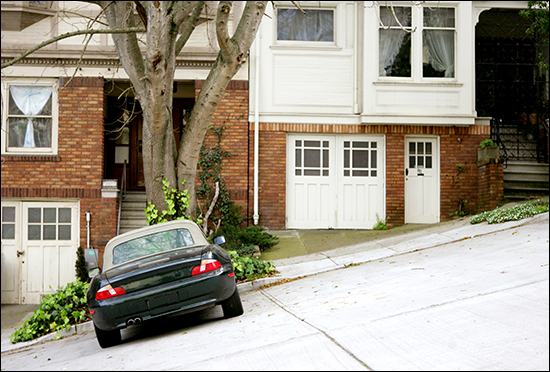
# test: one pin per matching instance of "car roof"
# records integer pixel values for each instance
(196, 233)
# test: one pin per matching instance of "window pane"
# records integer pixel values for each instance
(412, 161)
(428, 162)
(35, 132)
(298, 143)
(298, 158)
(428, 148)
(420, 148)
(50, 215)
(64, 215)
(373, 160)
(346, 159)
(373, 145)
(439, 17)
(394, 53)
(439, 53)
(64, 232)
(34, 232)
(360, 159)
(312, 158)
(412, 148)
(325, 172)
(420, 160)
(373, 173)
(312, 172)
(298, 172)
(357, 173)
(312, 143)
(8, 231)
(361, 145)
(403, 14)
(314, 25)
(8, 214)
(49, 232)
(325, 158)
(35, 215)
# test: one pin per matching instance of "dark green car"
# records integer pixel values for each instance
(159, 270)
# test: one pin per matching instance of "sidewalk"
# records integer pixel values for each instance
(308, 252)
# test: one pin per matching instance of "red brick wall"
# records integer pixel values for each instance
(77, 171)
(453, 152)
(490, 185)
(232, 114)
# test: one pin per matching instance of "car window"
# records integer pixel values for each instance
(153, 243)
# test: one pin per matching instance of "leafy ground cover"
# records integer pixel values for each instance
(516, 213)
(58, 311)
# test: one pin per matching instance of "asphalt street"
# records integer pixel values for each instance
(476, 299)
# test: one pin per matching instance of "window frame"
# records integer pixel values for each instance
(302, 43)
(417, 45)
(53, 149)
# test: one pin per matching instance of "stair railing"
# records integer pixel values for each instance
(496, 135)
(121, 196)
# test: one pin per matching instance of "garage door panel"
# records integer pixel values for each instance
(51, 268)
(335, 181)
(67, 258)
(33, 263)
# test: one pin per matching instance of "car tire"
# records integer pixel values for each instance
(233, 306)
(107, 338)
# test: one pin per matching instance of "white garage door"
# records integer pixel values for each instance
(39, 243)
(335, 181)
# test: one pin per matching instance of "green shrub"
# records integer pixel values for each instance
(178, 204)
(238, 239)
(250, 268)
(486, 143)
(380, 224)
(512, 214)
(57, 311)
(80, 265)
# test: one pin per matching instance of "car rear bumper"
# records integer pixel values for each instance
(185, 295)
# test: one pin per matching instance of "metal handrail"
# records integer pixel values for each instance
(495, 131)
(121, 196)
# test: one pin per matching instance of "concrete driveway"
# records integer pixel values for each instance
(472, 297)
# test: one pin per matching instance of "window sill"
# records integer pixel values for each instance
(30, 158)
(431, 83)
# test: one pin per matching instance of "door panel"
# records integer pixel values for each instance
(11, 261)
(422, 180)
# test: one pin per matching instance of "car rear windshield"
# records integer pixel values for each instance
(149, 244)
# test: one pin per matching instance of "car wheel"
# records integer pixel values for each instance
(107, 338)
(233, 305)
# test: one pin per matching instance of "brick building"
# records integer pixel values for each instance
(328, 129)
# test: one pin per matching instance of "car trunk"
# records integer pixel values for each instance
(154, 270)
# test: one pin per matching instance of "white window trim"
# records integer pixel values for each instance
(53, 150)
(299, 44)
(417, 24)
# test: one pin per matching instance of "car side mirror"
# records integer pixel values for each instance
(93, 272)
(219, 240)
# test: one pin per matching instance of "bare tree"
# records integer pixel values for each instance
(168, 26)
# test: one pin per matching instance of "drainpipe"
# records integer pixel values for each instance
(88, 228)
(256, 215)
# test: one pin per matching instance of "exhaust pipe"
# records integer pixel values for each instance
(133, 321)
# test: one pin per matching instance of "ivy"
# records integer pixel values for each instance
(177, 202)
(58, 311)
(250, 268)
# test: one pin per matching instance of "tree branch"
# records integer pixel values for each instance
(222, 32)
(71, 34)
(190, 26)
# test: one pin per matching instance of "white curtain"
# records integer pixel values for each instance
(315, 25)
(30, 100)
(390, 44)
(441, 49)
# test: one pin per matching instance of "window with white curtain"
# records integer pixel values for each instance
(305, 24)
(406, 29)
(29, 118)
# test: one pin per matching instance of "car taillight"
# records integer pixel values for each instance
(205, 266)
(108, 291)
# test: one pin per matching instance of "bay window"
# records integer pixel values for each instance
(417, 42)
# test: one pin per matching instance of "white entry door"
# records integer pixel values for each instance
(335, 181)
(42, 254)
(422, 180)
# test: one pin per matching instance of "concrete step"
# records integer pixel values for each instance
(526, 178)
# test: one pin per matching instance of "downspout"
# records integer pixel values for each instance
(256, 215)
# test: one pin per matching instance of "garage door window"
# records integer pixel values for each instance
(312, 158)
(360, 159)
(49, 224)
(8, 222)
